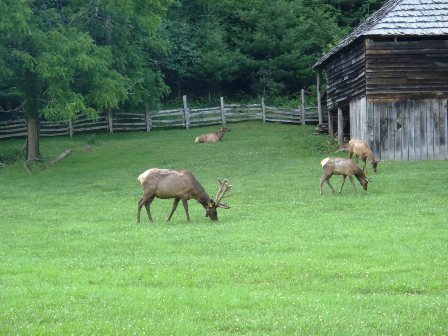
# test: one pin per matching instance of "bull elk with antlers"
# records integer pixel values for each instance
(180, 185)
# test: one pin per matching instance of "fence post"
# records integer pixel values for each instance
(111, 123)
(70, 127)
(302, 95)
(148, 118)
(186, 112)
(263, 109)
(223, 111)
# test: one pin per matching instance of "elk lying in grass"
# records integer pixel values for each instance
(212, 137)
(180, 185)
(362, 151)
(344, 167)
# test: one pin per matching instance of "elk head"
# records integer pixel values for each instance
(224, 187)
(364, 181)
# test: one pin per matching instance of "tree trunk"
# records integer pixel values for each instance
(209, 92)
(32, 116)
(32, 143)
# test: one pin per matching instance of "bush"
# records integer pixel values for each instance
(12, 155)
(91, 139)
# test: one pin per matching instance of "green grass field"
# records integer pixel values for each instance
(283, 260)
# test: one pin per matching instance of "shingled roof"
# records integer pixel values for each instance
(399, 18)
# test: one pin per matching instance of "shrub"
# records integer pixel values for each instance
(12, 155)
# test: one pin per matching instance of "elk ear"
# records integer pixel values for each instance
(211, 204)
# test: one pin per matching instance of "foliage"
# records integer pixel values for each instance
(353, 12)
(11, 155)
(65, 57)
(62, 57)
(256, 47)
(91, 139)
(282, 261)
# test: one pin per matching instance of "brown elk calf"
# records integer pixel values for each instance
(180, 185)
(362, 151)
(344, 167)
(212, 137)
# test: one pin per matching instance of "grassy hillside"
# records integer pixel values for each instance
(283, 260)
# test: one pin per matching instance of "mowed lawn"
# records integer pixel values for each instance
(283, 260)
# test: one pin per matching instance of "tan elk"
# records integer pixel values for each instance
(180, 185)
(362, 151)
(344, 167)
(212, 137)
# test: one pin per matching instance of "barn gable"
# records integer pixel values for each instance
(399, 18)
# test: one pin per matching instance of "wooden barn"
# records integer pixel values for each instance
(387, 82)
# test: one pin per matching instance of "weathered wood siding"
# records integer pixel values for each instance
(358, 118)
(407, 129)
(407, 69)
(346, 76)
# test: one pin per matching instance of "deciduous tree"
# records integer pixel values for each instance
(65, 57)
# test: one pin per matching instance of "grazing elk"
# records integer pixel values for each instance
(180, 185)
(362, 151)
(212, 137)
(344, 167)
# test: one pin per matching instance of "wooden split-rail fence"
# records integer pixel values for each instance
(175, 118)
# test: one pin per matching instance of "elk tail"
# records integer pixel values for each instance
(143, 176)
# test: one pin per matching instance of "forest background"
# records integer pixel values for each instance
(60, 57)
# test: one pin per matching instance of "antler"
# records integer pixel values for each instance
(224, 187)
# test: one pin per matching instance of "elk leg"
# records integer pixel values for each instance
(353, 183)
(331, 187)
(343, 181)
(364, 168)
(176, 202)
(139, 208)
(142, 201)
(185, 203)
(148, 208)
(325, 178)
(322, 179)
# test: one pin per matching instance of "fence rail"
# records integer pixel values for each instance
(181, 117)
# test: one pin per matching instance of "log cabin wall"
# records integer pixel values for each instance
(407, 129)
(406, 106)
(401, 129)
(392, 72)
(346, 76)
(358, 119)
(406, 69)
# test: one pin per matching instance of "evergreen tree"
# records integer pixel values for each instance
(255, 46)
(352, 12)
(282, 39)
